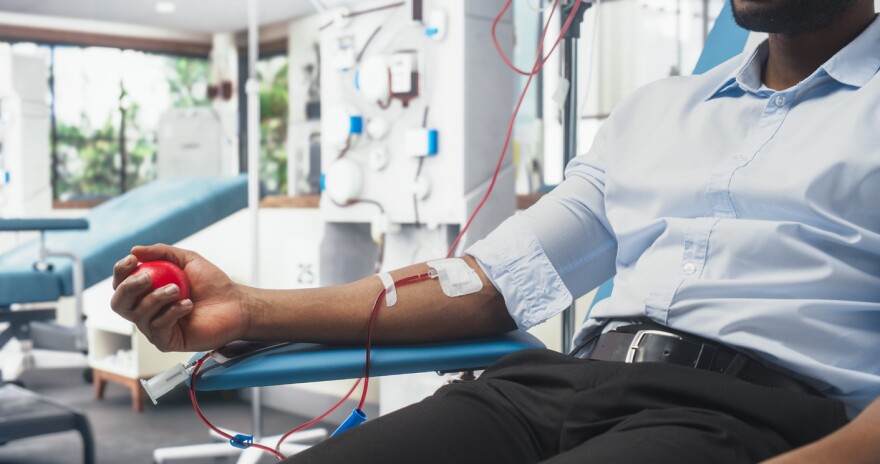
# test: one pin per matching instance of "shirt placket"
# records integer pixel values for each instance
(695, 242)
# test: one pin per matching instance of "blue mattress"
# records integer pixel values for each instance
(164, 211)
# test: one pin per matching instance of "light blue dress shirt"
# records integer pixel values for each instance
(727, 210)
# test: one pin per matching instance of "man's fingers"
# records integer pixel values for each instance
(122, 269)
(162, 326)
(128, 293)
(150, 305)
(161, 251)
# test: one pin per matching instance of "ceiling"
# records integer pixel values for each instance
(200, 16)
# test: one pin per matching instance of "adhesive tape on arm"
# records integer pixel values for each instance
(456, 277)
(390, 289)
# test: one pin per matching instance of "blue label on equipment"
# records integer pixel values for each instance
(433, 144)
(323, 181)
(356, 125)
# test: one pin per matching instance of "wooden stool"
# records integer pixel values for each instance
(100, 379)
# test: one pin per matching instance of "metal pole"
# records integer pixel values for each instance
(252, 88)
(570, 128)
(257, 412)
(122, 153)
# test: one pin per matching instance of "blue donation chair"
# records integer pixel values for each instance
(294, 363)
(37, 283)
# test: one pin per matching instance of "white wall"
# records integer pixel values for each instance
(100, 27)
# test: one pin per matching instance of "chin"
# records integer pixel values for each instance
(788, 16)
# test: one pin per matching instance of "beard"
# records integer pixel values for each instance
(792, 17)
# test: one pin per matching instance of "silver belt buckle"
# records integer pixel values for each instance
(637, 340)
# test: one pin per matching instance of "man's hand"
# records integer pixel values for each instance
(212, 317)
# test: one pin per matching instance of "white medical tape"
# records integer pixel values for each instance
(456, 277)
(390, 289)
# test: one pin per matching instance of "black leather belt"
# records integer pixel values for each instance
(648, 343)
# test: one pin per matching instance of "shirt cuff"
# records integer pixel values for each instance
(514, 261)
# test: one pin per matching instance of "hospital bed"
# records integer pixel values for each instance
(74, 254)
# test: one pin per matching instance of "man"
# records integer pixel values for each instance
(737, 209)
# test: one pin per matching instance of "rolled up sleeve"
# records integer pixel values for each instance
(513, 259)
(555, 251)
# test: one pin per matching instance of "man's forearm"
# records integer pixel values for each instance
(339, 314)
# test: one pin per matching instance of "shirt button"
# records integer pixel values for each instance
(780, 100)
(689, 268)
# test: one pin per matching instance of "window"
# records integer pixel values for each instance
(272, 73)
(108, 103)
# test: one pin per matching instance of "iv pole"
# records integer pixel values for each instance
(252, 89)
(570, 123)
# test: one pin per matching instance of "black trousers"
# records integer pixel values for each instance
(541, 406)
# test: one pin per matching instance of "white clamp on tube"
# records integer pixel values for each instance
(456, 277)
(390, 289)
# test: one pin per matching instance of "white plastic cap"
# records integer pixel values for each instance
(378, 128)
(343, 181)
(339, 123)
(379, 158)
(163, 383)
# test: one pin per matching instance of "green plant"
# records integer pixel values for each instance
(273, 122)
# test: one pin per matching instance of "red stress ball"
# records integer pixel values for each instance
(163, 273)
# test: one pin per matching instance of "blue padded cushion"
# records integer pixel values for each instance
(305, 362)
(164, 211)
(38, 224)
(726, 40)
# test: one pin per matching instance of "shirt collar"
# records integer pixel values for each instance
(859, 61)
(853, 65)
(747, 76)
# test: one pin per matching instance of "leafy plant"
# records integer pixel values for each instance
(272, 74)
(89, 156)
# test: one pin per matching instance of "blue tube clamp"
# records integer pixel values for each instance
(242, 441)
(356, 418)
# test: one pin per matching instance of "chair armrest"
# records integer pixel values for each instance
(42, 224)
(300, 362)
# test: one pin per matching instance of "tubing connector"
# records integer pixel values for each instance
(163, 383)
(356, 418)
